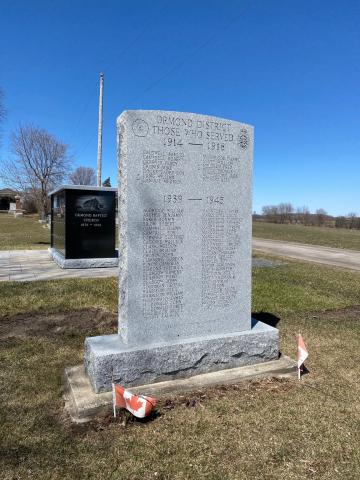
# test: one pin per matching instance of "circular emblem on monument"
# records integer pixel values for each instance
(243, 139)
(140, 128)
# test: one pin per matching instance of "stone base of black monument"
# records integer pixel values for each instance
(63, 262)
(107, 357)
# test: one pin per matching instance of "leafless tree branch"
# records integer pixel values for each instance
(83, 176)
(40, 163)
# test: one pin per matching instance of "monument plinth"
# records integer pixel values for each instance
(184, 252)
(83, 226)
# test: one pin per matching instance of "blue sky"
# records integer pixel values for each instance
(291, 69)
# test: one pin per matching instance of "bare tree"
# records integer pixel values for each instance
(40, 163)
(270, 212)
(285, 211)
(352, 220)
(83, 176)
(321, 215)
(281, 213)
(340, 222)
(304, 215)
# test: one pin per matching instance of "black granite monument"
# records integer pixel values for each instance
(83, 226)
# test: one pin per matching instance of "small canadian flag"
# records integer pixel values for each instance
(302, 355)
(139, 405)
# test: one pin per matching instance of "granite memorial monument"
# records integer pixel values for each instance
(185, 204)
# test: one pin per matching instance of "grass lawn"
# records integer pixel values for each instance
(23, 233)
(27, 233)
(259, 430)
(328, 237)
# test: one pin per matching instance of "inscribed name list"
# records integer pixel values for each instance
(185, 226)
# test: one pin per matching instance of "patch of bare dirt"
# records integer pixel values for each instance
(194, 399)
(51, 325)
(55, 324)
(348, 313)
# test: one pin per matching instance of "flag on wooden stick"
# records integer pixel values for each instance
(302, 355)
(139, 405)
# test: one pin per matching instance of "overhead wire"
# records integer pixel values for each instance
(108, 67)
(168, 72)
(190, 55)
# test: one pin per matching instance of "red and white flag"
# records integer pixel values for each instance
(139, 405)
(302, 354)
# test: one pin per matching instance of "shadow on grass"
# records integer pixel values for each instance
(265, 317)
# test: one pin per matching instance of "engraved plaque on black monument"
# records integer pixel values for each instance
(90, 217)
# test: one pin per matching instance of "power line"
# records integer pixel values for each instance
(189, 56)
(90, 139)
(93, 89)
(86, 106)
(172, 69)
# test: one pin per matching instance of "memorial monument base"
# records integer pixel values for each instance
(63, 262)
(83, 404)
(107, 357)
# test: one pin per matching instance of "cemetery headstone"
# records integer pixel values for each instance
(83, 226)
(19, 212)
(185, 252)
(18, 204)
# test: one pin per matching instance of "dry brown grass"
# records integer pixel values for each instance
(328, 237)
(23, 233)
(260, 430)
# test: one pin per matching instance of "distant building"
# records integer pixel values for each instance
(7, 196)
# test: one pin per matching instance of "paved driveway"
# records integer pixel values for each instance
(336, 257)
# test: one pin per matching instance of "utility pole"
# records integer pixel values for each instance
(100, 127)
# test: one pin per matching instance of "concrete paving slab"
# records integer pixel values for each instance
(83, 404)
(35, 265)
